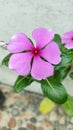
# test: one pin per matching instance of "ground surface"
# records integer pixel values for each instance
(21, 112)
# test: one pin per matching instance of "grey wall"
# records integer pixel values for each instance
(24, 16)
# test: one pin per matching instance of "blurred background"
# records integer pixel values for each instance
(24, 16)
(21, 111)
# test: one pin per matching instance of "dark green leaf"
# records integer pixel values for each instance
(54, 90)
(62, 69)
(61, 73)
(68, 106)
(71, 75)
(67, 57)
(22, 82)
(6, 60)
(57, 39)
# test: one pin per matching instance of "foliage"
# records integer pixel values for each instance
(52, 87)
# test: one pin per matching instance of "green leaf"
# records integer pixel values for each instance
(68, 106)
(22, 82)
(57, 39)
(63, 68)
(66, 61)
(71, 75)
(46, 106)
(54, 90)
(61, 73)
(6, 60)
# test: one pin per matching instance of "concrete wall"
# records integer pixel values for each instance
(24, 16)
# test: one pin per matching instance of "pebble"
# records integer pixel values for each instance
(9, 101)
(27, 114)
(29, 99)
(15, 112)
(23, 109)
(31, 106)
(11, 106)
(31, 127)
(22, 116)
(48, 125)
(33, 120)
(12, 123)
(53, 116)
(62, 120)
(19, 104)
(22, 128)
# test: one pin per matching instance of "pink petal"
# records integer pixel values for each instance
(51, 53)
(20, 63)
(67, 37)
(42, 36)
(41, 69)
(18, 43)
(70, 34)
(65, 40)
(69, 45)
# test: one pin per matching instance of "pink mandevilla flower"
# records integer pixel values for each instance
(23, 52)
(67, 39)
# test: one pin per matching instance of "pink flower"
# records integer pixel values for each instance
(23, 52)
(67, 39)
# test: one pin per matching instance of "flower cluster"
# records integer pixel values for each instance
(47, 60)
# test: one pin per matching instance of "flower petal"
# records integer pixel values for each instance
(41, 69)
(70, 34)
(69, 45)
(20, 63)
(18, 43)
(51, 53)
(42, 36)
(65, 40)
(67, 37)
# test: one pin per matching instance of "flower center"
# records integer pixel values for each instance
(72, 38)
(35, 51)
